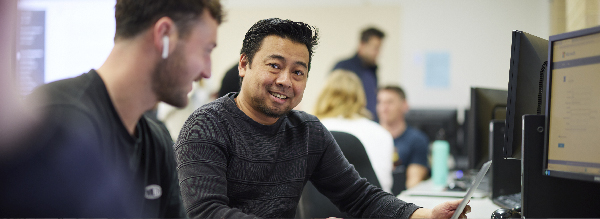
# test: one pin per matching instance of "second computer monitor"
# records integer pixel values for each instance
(486, 105)
(437, 124)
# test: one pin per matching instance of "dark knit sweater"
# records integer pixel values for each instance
(230, 166)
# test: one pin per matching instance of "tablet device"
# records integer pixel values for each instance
(480, 175)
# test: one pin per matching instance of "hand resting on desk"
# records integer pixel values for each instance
(444, 210)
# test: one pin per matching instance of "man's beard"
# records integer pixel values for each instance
(261, 105)
(165, 79)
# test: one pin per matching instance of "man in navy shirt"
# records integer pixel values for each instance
(411, 144)
(364, 64)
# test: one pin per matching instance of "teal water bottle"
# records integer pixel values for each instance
(439, 170)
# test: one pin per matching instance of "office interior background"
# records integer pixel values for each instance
(436, 50)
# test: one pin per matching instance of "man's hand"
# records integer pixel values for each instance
(444, 210)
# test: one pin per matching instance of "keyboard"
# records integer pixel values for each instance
(512, 201)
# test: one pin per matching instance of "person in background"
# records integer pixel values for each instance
(174, 117)
(364, 64)
(411, 144)
(95, 154)
(230, 82)
(341, 107)
(249, 154)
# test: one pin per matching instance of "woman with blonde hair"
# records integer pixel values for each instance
(342, 107)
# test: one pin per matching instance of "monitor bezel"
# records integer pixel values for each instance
(546, 171)
(477, 146)
(446, 117)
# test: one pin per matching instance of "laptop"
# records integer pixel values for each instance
(467, 197)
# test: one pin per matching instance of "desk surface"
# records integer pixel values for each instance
(481, 207)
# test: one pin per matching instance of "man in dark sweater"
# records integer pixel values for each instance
(248, 154)
(95, 154)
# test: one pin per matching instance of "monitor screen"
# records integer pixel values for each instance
(437, 124)
(486, 105)
(572, 139)
(528, 60)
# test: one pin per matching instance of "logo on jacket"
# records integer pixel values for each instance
(153, 192)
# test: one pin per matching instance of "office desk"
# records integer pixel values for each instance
(481, 207)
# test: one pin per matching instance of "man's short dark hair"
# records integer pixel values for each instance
(371, 32)
(398, 90)
(295, 31)
(135, 16)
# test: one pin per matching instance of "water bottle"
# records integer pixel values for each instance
(439, 169)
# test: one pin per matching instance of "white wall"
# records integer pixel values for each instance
(475, 34)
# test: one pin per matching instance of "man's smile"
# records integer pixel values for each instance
(280, 96)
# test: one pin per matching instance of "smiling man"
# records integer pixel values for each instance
(267, 97)
(95, 154)
(248, 154)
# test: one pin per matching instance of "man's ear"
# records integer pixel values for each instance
(163, 29)
(243, 65)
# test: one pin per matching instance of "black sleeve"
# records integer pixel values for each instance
(173, 205)
(201, 155)
(335, 178)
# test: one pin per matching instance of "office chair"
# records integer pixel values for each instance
(313, 204)
(356, 154)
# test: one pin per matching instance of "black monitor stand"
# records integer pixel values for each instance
(551, 197)
(505, 176)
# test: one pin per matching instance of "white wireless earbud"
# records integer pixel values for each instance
(165, 52)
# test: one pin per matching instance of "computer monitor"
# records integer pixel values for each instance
(528, 60)
(572, 136)
(486, 105)
(437, 124)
